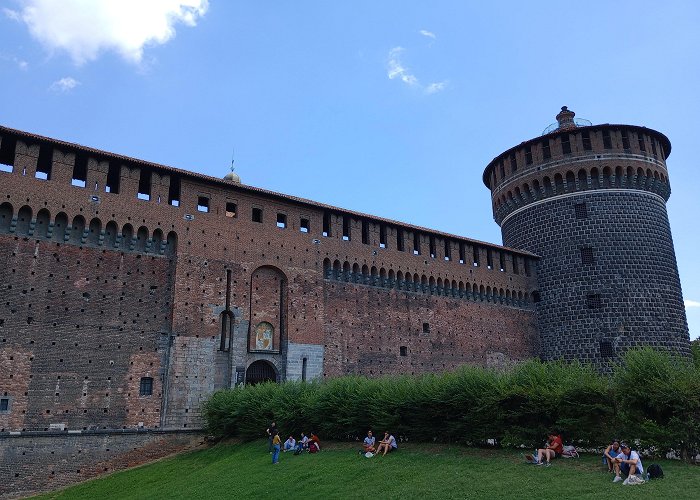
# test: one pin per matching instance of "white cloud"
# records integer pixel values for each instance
(435, 87)
(23, 65)
(428, 34)
(691, 303)
(65, 84)
(11, 14)
(86, 28)
(397, 70)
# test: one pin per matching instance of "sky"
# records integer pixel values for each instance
(390, 108)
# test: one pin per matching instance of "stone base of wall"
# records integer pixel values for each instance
(33, 462)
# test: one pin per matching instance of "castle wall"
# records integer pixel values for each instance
(32, 462)
(194, 265)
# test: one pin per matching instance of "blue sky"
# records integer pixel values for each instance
(390, 108)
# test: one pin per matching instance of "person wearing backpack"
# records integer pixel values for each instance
(629, 463)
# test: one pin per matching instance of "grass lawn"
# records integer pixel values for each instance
(231, 470)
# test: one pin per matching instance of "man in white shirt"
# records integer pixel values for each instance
(629, 463)
(290, 444)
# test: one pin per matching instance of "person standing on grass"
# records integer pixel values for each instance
(270, 435)
(387, 444)
(553, 450)
(276, 442)
(629, 463)
(368, 443)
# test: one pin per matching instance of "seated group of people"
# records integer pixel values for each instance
(311, 444)
(623, 460)
(386, 445)
(618, 456)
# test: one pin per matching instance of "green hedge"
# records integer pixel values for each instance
(652, 398)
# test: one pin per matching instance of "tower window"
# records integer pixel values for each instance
(431, 243)
(586, 136)
(625, 140)
(257, 214)
(426, 327)
(79, 177)
(462, 253)
(475, 257)
(43, 167)
(382, 236)
(231, 209)
(304, 363)
(607, 141)
(489, 258)
(346, 228)
(416, 244)
(581, 211)
(399, 240)
(448, 250)
(546, 152)
(642, 145)
(202, 204)
(606, 349)
(516, 270)
(528, 155)
(365, 232)
(593, 301)
(281, 221)
(304, 225)
(587, 255)
(513, 163)
(146, 387)
(653, 146)
(144, 191)
(4, 405)
(326, 224)
(403, 350)
(565, 144)
(502, 169)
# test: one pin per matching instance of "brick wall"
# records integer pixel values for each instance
(34, 462)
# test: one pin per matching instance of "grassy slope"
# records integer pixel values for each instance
(417, 471)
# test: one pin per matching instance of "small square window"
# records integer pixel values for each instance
(587, 255)
(304, 225)
(606, 349)
(231, 209)
(581, 211)
(146, 387)
(257, 215)
(536, 297)
(202, 204)
(593, 301)
(281, 221)
(426, 327)
(403, 350)
(4, 404)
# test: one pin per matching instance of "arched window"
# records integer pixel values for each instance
(127, 237)
(77, 230)
(6, 212)
(111, 231)
(157, 241)
(595, 178)
(171, 245)
(226, 320)
(570, 181)
(141, 239)
(59, 227)
(24, 219)
(43, 219)
(93, 238)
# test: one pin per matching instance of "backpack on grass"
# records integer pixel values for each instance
(655, 472)
(569, 452)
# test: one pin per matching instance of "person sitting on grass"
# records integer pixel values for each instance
(553, 450)
(368, 443)
(314, 443)
(302, 444)
(628, 462)
(290, 444)
(610, 453)
(387, 444)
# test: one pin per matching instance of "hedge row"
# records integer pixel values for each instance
(652, 398)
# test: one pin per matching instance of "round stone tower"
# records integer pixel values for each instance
(590, 200)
